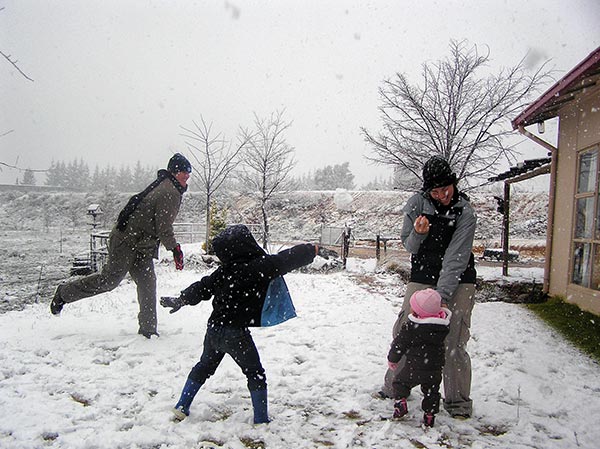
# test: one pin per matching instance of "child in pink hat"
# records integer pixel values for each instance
(421, 341)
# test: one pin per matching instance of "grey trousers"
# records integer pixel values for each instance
(457, 370)
(123, 258)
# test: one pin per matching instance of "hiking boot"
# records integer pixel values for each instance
(57, 303)
(149, 334)
(380, 395)
(428, 419)
(180, 413)
(400, 409)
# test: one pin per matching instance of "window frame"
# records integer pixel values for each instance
(588, 275)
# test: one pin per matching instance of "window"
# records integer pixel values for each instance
(586, 230)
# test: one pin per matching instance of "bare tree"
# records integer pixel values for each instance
(215, 158)
(455, 113)
(268, 162)
(13, 61)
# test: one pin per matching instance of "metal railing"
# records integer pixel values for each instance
(189, 232)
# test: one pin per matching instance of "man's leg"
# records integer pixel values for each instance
(142, 273)
(120, 257)
(388, 382)
(457, 370)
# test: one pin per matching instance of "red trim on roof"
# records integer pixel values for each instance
(564, 83)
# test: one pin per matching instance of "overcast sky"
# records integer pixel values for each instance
(115, 79)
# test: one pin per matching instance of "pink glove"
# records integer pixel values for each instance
(392, 365)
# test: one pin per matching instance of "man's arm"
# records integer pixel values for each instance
(167, 208)
(457, 255)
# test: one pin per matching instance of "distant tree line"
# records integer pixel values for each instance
(76, 175)
(330, 177)
(339, 176)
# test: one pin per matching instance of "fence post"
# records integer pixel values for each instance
(345, 245)
(377, 249)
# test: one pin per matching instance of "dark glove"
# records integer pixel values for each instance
(178, 257)
(174, 302)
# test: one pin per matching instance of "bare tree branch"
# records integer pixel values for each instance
(455, 113)
(215, 159)
(23, 169)
(14, 64)
(268, 162)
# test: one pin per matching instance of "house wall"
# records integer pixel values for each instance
(579, 128)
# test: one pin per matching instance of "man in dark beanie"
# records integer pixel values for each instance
(145, 222)
(438, 230)
(437, 173)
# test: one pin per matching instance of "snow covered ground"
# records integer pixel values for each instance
(87, 380)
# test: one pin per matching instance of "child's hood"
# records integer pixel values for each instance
(236, 244)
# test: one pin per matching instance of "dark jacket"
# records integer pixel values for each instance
(240, 285)
(422, 341)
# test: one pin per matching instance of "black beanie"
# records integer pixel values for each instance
(437, 173)
(179, 163)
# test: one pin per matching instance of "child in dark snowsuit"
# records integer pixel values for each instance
(243, 295)
(421, 341)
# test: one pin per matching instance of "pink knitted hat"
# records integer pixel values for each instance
(427, 303)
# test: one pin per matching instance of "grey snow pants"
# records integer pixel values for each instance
(123, 258)
(457, 369)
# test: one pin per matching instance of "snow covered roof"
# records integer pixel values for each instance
(585, 75)
(524, 170)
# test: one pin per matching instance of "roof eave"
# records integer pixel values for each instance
(543, 109)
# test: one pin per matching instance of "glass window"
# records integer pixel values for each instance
(596, 269)
(585, 268)
(581, 264)
(584, 218)
(587, 172)
(597, 230)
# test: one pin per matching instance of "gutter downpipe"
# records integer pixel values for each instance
(551, 201)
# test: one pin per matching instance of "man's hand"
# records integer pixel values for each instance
(421, 225)
(174, 302)
(178, 257)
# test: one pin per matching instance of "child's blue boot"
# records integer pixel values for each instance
(259, 403)
(182, 409)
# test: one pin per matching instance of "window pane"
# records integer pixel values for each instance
(596, 268)
(584, 218)
(597, 233)
(581, 264)
(587, 172)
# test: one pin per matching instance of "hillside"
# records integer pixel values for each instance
(293, 216)
(41, 232)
